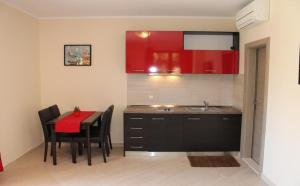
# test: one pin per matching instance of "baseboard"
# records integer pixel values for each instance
(25, 152)
(180, 154)
(253, 165)
(267, 180)
(156, 154)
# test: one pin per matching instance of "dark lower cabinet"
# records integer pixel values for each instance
(201, 133)
(168, 132)
(212, 133)
(230, 127)
(135, 132)
(164, 133)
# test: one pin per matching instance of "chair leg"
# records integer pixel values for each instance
(51, 152)
(99, 144)
(46, 151)
(59, 145)
(107, 148)
(80, 148)
(73, 147)
(103, 151)
(110, 141)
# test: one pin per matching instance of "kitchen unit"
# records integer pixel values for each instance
(181, 128)
(169, 52)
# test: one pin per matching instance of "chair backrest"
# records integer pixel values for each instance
(104, 125)
(111, 110)
(45, 116)
(54, 111)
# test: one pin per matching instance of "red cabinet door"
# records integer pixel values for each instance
(164, 51)
(210, 62)
(136, 51)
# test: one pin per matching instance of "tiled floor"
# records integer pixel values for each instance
(30, 170)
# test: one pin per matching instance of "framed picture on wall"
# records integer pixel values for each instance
(77, 55)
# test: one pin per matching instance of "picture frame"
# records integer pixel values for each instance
(78, 55)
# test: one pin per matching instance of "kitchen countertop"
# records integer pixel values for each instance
(180, 109)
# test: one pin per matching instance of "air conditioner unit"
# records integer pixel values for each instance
(254, 13)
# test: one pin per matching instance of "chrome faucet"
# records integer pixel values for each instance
(205, 105)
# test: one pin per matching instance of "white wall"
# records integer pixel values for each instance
(282, 143)
(20, 129)
(105, 81)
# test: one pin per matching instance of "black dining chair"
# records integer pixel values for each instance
(99, 137)
(45, 116)
(55, 112)
(111, 110)
(108, 139)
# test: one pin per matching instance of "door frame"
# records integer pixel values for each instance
(249, 94)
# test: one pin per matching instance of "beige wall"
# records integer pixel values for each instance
(105, 81)
(180, 90)
(282, 149)
(20, 130)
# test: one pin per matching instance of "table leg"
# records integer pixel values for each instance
(88, 145)
(53, 145)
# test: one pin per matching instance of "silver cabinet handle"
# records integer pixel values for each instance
(136, 128)
(137, 137)
(158, 118)
(136, 118)
(136, 147)
(226, 119)
(194, 118)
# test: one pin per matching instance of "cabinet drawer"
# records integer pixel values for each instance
(135, 145)
(134, 127)
(132, 133)
(135, 140)
(136, 122)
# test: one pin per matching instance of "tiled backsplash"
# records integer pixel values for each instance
(180, 90)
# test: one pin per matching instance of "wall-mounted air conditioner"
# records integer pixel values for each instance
(254, 13)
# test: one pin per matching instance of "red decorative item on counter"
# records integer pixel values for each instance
(1, 166)
(71, 123)
(76, 111)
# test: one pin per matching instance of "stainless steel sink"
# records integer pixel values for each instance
(197, 109)
(164, 110)
(201, 109)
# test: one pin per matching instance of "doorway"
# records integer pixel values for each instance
(258, 104)
(255, 99)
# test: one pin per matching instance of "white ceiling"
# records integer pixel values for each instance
(95, 8)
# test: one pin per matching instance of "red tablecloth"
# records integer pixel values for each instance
(1, 166)
(71, 123)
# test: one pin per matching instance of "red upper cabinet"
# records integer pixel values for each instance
(136, 52)
(164, 51)
(210, 53)
(182, 52)
(153, 52)
(210, 62)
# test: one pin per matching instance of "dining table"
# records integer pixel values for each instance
(85, 125)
